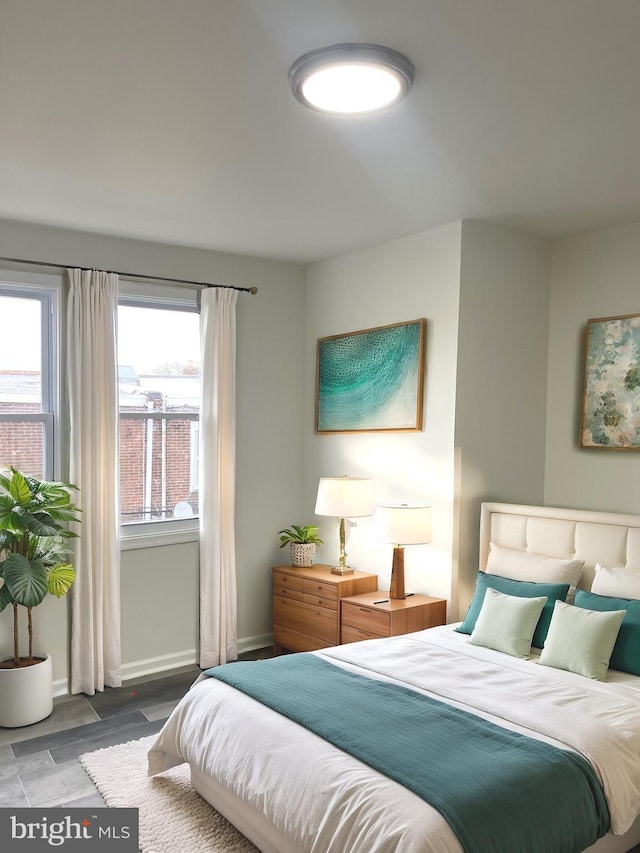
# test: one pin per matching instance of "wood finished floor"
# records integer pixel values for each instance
(39, 764)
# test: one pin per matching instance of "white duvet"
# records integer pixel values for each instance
(324, 800)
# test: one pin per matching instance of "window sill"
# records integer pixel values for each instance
(135, 537)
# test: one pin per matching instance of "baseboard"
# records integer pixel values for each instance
(260, 641)
(60, 688)
(188, 657)
(162, 663)
(166, 663)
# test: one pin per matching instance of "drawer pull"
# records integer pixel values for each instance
(363, 609)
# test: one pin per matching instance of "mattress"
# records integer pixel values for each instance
(246, 758)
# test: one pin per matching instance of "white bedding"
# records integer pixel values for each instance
(323, 800)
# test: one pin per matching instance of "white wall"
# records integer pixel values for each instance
(159, 607)
(403, 280)
(159, 585)
(592, 275)
(501, 381)
(485, 293)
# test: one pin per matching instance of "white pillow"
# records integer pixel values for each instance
(620, 582)
(506, 623)
(523, 566)
(580, 640)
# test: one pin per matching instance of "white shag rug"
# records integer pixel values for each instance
(173, 817)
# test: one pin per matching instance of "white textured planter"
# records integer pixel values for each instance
(302, 553)
(26, 694)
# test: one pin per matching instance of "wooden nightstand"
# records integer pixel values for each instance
(362, 619)
(306, 605)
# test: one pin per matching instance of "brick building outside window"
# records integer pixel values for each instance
(158, 446)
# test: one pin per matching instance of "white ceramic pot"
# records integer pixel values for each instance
(26, 693)
(302, 553)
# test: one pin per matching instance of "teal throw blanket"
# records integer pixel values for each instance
(497, 789)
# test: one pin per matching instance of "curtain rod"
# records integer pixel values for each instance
(251, 290)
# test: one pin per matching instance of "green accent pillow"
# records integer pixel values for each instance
(522, 589)
(581, 641)
(506, 623)
(626, 652)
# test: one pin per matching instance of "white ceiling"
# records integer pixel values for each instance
(172, 120)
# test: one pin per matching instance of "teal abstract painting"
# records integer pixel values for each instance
(371, 380)
(611, 404)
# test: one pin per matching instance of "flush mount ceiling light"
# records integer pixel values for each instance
(351, 78)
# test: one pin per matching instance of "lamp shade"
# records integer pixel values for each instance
(404, 525)
(345, 497)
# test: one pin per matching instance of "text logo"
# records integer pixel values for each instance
(34, 830)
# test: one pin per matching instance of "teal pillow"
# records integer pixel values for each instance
(626, 652)
(524, 589)
(580, 640)
(506, 623)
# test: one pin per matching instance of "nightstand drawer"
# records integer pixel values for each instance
(354, 635)
(287, 592)
(318, 622)
(318, 589)
(282, 579)
(316, 601)
(366, 618)
(295, 640)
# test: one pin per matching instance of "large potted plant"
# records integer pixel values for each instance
(302, 541)
(34, 563)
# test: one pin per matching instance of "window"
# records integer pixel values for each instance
(27, 374)
(159, 394)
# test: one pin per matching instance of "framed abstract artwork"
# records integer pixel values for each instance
(371, 380)
(611, 400)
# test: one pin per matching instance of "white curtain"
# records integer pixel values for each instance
(92, 369)
(217, 475)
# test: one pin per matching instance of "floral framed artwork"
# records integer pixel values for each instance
(611, 400)
(371, 380)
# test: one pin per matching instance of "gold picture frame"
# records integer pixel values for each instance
(371, 380)
(611, 394)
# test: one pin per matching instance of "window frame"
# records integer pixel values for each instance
(154, 533)
(47, 290)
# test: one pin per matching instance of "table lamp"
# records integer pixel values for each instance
(402, 525)
(344, 497)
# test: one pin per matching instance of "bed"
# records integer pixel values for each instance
(288, 789)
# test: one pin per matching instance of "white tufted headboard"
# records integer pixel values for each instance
(609, 538)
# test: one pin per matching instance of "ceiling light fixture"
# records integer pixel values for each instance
(351, 78)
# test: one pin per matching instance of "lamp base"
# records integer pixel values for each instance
(341, 570)
(396, 587)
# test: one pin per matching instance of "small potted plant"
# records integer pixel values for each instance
(302, 542)
(33, 564)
